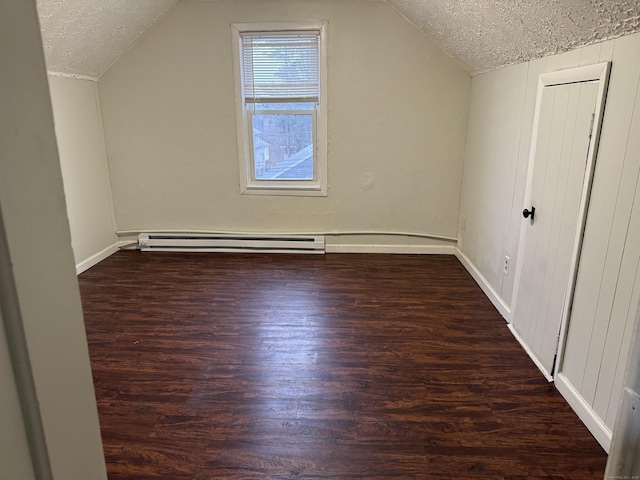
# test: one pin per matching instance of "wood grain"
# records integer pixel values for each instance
(338, 366)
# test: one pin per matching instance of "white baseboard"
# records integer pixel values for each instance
(586, 414)
(500, 305)
(486, 287)
(98, 257)
(532, 356)
(400, 249)
(595, 425)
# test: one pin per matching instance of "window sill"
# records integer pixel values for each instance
(279, 190)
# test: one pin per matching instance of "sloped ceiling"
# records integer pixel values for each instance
(484, 35)
(84, 37)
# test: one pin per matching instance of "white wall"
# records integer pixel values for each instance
(608, 283)
(500, 125)
(397, 121)
(39, 297)
(83, 160)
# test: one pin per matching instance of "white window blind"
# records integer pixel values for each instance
(281, 67)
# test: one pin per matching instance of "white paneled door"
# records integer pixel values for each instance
(568, 113)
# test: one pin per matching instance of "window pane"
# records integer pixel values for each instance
(283, 146)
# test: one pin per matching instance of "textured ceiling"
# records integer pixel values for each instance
(484, 35)
(84, 37)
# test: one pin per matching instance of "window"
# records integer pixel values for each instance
(281, 103)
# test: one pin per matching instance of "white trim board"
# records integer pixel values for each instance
(333, 248)
(399, 249)
(133, 234)
(533, 358)
(486, 287)
(595, 425)
(98, 257)
(500, 305)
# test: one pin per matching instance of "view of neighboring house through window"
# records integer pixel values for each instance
(281, 108)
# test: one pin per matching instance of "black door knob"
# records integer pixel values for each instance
(526, 213)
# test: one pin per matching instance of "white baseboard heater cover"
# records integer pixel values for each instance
(205, 242)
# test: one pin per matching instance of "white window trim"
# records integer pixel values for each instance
(248, 185)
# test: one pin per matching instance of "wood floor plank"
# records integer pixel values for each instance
(338, 366)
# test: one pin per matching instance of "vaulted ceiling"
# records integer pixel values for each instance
(84, 37)
(484, 35)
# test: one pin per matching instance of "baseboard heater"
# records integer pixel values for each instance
(204, 242)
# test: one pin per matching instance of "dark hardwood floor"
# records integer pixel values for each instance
(216, 366)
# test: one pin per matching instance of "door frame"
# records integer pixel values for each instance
(597, 72)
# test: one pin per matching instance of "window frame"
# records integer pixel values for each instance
(249, 185)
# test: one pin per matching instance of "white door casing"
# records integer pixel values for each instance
(568, 114)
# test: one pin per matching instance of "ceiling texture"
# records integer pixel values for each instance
(484, 35)
(84, 37)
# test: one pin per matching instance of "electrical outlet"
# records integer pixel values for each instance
(505, 266)
(463, 222)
